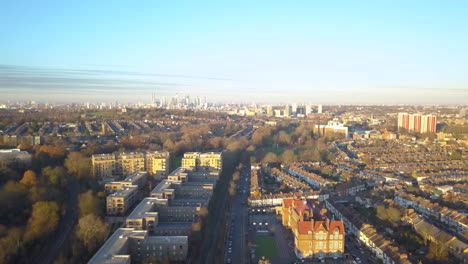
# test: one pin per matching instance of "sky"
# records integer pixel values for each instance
(329, 52)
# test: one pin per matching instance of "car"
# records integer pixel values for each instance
(228, 261)
(230, 250)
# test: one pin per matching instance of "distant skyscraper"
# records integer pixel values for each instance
(319, 109)
(294, 109)
(269, 110)
(417, 122)
(308, 109)
(287, 111)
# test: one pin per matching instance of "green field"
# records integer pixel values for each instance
(278, 151)
(266, 246)
(101, 113)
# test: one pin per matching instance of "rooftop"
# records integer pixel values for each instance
(114, 249)
(125, 191)
(144, 207)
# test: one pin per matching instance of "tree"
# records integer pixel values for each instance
(29, 178)
(270, 157)
(54, 175)
(288, 156)
(283, 138)
(14, 203)
(214, 143)
(236, 176)
(79, 165)
(44, 220)
(390, 214)
(438, 252)
(169, 145)
(89, 204)
(92, 231)
(10, 243)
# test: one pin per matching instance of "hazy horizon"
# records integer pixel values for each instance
(353, 52)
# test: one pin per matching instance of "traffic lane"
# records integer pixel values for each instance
(354, 248)
(235, 243)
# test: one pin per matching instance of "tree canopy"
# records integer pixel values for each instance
(44, 220)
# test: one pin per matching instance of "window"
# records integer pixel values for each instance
(310, 243)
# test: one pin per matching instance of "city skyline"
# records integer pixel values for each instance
(330, 53)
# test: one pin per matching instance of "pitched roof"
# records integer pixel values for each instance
(337, 224)
(303, 227)
(287, 202)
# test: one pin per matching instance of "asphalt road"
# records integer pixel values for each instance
(236, 242)
(212, 235)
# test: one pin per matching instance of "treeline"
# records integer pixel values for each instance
(35, 201)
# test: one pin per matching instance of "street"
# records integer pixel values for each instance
(236, 242)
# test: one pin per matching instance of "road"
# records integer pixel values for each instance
(51, 250)
(356, 250)
(212, 234)
(236, 242)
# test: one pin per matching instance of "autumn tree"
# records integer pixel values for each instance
(10, 243)
(169, 145)
(214, 143)
(92, 231)
(288, 156)
(391, 215)
(29, 178)
(283, 138)
(14, 203)
(79, 165)
(54, 175)
(270, 157)
(89, 204)
(438, 252)
(44, 220)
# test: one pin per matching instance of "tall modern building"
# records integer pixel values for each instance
(319, 109)
(287, 111)
(308, 109)
(417, 123)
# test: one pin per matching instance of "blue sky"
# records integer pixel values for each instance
(263, 51)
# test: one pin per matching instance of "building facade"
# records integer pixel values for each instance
(209, 160)
(314, 234)
(417, 123)
(157, 164)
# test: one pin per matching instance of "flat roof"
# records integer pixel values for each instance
(145, 206)
(114, 249)
(125, 191)
(174, 225)
(167, 239)
(135, 176)
(163, 185)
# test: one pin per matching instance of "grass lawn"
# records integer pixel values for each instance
(266, 246)
(278, 151)
(101, 113)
